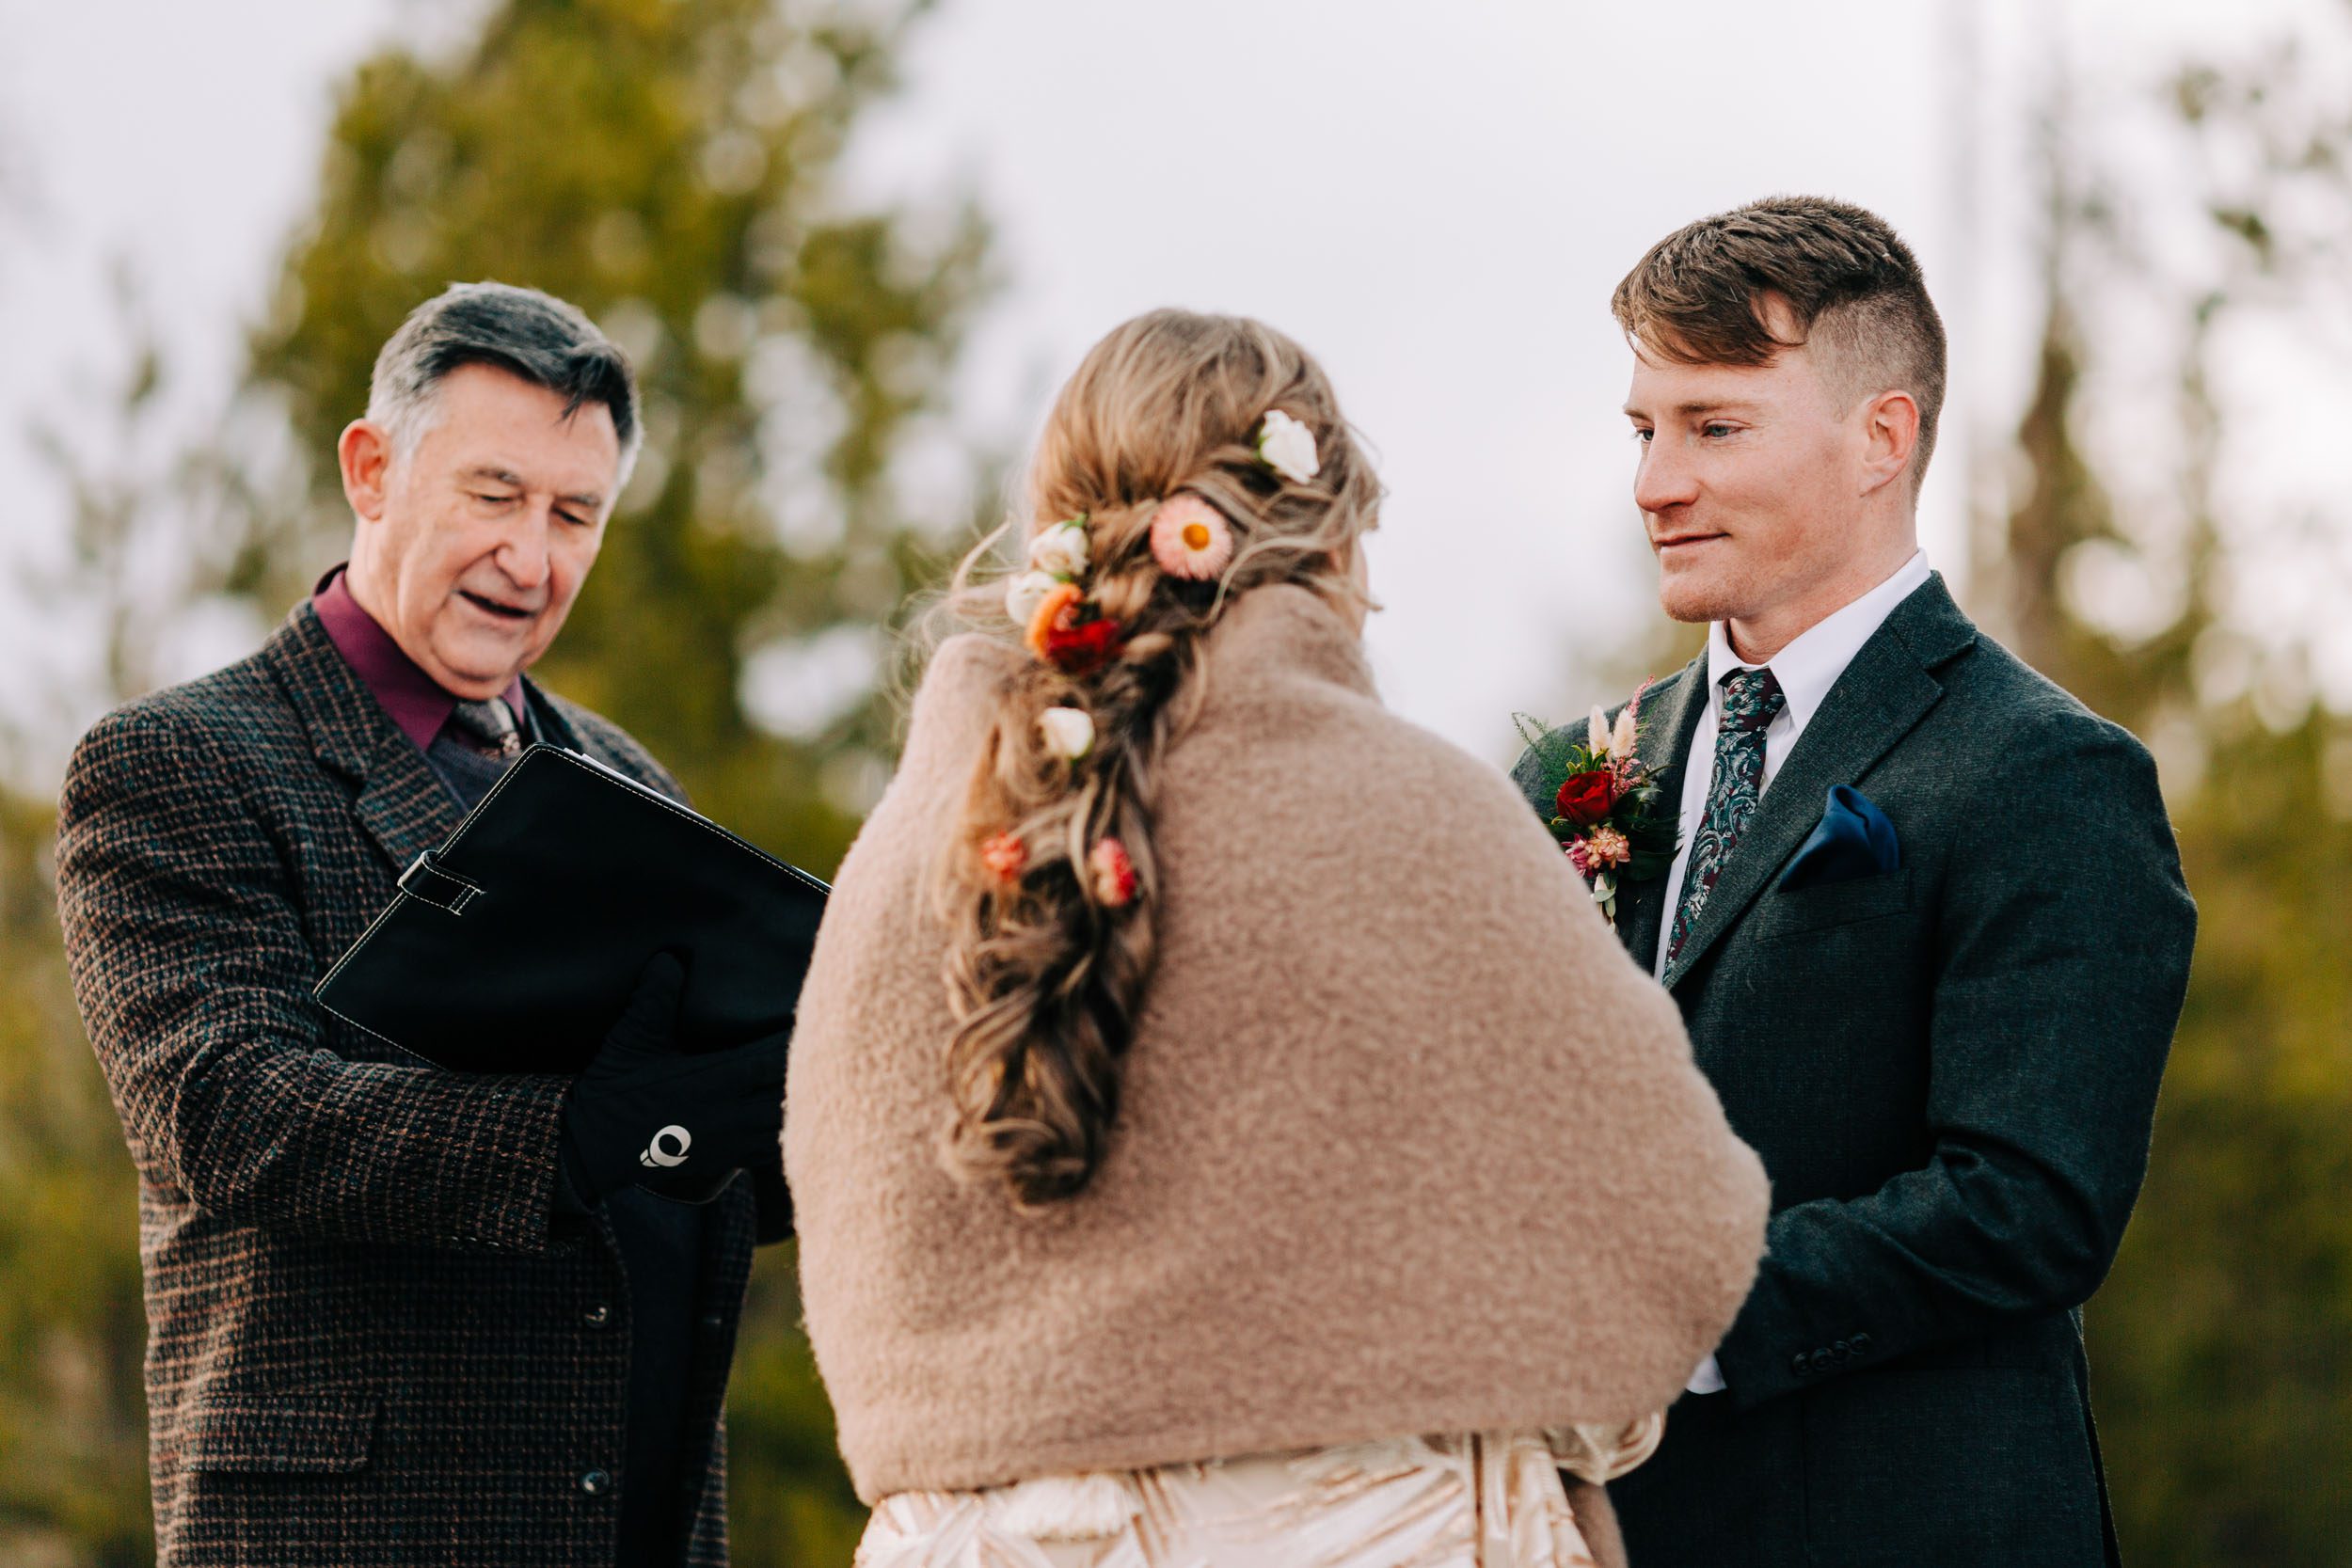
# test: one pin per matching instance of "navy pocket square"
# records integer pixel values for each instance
(1854, 839)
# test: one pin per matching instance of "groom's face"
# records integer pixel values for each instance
(1746, 482)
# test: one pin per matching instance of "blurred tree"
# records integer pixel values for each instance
(2223, 1341)
(671, 166)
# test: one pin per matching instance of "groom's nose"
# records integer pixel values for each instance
(1664, 481)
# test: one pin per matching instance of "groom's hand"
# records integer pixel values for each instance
(645, 1112)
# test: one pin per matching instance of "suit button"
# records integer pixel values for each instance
(1841, 1352)
(714, 1322)
(596, 1316)
(1861, 1345)
(1822, 1359)
(1801, 1364)
(596, 1483)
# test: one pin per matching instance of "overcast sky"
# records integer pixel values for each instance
(1435, 199)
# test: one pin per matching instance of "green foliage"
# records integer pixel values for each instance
(73, 1325)
(2222, 1345)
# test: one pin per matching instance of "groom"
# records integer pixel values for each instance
(1936, 1001)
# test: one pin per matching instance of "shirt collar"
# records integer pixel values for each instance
(415, 702)
(1808, 666)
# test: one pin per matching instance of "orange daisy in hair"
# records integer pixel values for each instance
(1191, 539)
(1060, 601)
(1005, 856)
(1113, 874)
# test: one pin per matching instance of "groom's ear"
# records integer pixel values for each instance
(1890, 433)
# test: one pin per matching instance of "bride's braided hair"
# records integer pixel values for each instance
(1049, 952)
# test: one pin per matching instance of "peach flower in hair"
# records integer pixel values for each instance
(1191, 539)
(1114, 874)
(1005, 856)
(1058, 601)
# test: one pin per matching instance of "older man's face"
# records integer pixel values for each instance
(471, 549)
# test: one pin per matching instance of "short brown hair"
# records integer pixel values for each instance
(1702, 295)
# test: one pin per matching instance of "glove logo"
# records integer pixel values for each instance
(656, 1154)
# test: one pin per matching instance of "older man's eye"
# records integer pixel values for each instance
(491, 500)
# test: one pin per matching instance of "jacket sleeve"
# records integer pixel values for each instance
(194, 977)
(2062, 961)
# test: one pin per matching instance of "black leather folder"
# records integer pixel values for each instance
(514, 946)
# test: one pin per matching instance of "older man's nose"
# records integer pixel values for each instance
(524, 557)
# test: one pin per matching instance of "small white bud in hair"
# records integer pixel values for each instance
(1061, 551)
(1288, 448)
(1069, 732)
(1023, 593)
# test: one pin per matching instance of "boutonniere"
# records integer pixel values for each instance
(1605, 807)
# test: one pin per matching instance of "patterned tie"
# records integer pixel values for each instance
(1752, 700)
(490, 726)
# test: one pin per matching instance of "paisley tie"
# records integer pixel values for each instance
(490, 726)
(1752, 700)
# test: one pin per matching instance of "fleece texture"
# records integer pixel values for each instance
(1408, 1144)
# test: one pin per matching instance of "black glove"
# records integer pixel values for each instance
(677, 1124)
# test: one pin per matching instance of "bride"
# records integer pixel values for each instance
(1221, 1128)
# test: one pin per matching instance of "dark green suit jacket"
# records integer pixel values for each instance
(1949, 1070)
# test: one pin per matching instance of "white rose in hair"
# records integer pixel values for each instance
(1023, 593)
(1061, 551)
(1288, 447)
(1069, 732)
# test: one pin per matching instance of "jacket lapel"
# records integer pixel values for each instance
(1669, 724)
(1884, 693)
(399, 802)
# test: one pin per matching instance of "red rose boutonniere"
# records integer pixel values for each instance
(1605, 809)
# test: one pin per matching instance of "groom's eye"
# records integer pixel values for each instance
(1715, 430)
(1642, 434)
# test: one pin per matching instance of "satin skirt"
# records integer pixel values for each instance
(1480, 1500)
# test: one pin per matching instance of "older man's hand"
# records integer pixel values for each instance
(673, 1122)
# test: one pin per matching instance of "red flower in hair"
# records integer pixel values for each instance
(1081, 650)
(1075, 646)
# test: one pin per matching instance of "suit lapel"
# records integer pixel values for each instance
(1882, 695)
(399, 802)
(1669, 723)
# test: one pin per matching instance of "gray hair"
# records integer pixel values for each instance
(535, 336)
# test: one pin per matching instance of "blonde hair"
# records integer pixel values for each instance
(1045, 977)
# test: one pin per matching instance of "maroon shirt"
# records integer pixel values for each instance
(417, 704)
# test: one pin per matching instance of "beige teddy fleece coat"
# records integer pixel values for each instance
(1408, 1145)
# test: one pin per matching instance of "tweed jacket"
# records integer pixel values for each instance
(372, 1340)
(1950, 1070)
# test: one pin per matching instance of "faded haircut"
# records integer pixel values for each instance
(1704, 295)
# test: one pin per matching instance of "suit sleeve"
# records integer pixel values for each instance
(2062, 961)
(194, 977)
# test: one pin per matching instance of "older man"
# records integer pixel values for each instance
(401, 1315)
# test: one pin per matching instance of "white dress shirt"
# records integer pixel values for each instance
(1807, 668)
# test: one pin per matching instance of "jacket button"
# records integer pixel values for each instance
(596, 1316)
(596, 1483)
(1801, 1364)
(713, 1321)
(1861, 1344)
(1841, 1352)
